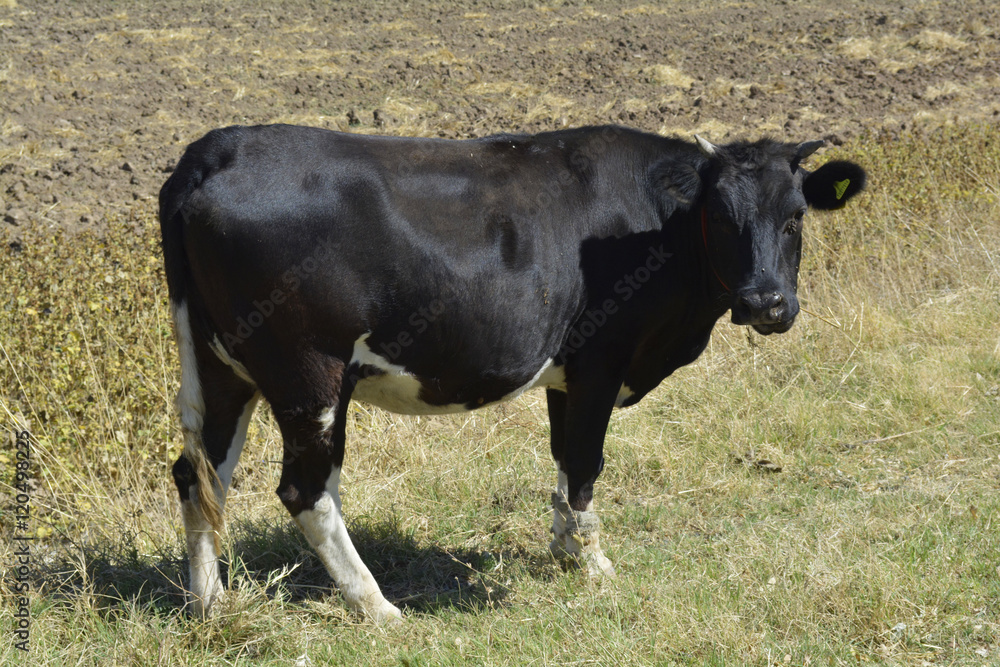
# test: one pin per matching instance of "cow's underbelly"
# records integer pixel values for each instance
(400, 392)
(392, 387)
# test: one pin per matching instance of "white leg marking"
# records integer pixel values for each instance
(560, 496)
(576, 535)
(326, 418)
(206, 585)
(228, 466)
(324, 528)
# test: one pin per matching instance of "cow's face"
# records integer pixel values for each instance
(756, 196)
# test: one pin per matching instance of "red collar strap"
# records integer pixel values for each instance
(708, 257)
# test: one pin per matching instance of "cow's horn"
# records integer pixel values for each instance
(807, 148)
(706, 147)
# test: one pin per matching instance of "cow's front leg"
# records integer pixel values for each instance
(577, 533)
(578, 428)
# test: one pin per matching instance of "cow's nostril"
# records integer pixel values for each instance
(773, 300)
(760, 308)
(776, 311)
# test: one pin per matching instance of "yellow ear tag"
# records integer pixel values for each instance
(840, 187)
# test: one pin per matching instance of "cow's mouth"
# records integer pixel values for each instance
(777, 327)
(766, 312)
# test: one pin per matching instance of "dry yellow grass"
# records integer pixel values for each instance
(936, 40)
(668, 76)
(893, 53)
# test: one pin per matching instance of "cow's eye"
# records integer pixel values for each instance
(793, 225)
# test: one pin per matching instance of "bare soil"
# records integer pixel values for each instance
(98, 99)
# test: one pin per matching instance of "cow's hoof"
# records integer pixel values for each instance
(598, 565)
(204, 608)
(384, 613)
(594, 563)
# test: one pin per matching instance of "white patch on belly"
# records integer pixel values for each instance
(623, 395)
(550, 377)
(398, 390)
(395, 389)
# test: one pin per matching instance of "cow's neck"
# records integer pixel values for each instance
(681, 309)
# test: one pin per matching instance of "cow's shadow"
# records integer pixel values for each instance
(272, 558)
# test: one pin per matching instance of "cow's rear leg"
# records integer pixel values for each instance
(578, 429)
(314, 432)
(215, 405)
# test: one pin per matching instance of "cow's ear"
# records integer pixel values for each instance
(833, 185)
(676, 184)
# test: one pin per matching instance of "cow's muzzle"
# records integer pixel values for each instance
(766, 312)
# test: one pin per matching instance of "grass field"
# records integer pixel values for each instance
(874, 543)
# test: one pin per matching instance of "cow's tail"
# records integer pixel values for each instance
(202, 158)
(208, 482)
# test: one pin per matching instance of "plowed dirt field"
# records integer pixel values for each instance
(98, 99)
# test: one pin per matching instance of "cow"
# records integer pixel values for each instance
(426, 276)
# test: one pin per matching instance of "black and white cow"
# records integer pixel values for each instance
(429, 276)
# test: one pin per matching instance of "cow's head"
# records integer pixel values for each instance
(753, 197)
